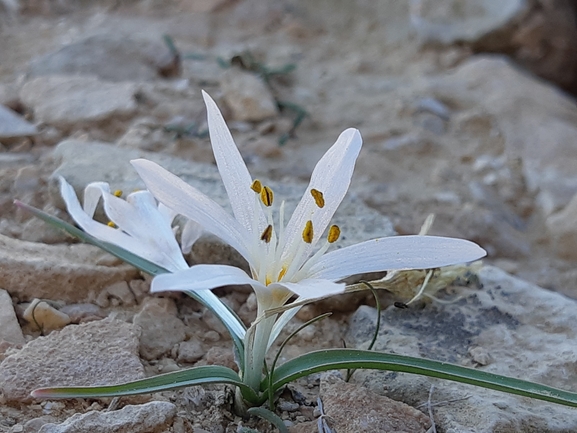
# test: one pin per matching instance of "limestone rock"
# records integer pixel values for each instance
(516, 328)
(66, 102)
(536, 120)
(247, 96)
(97, 353)
(161, 329)
(153, 417)
(13, 125)
(452, 21)
(45, 317)
(562, 227)
(9, 328)
(111, 57)
(61, 272)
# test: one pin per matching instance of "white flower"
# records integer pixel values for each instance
(142, 227)
(282, 260)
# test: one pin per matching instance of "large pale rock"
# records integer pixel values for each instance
(508, 327)
(247, 95)
(111, 57)
(65, 102)
(452, 21)
(562, 227)
(61, 272)
(104, 352)
(13, 125)
(161, 329)
(10, 331)
(152, 417)
(537, 121)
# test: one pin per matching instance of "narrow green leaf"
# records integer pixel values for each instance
(270, 416)
(178, 379)
(331, 359)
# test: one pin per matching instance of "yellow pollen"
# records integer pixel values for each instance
(267, 280)
(117, 193)
(281, 273)
(111, 224)
(318, 196)
(308, 233)
(266, 234)
(256, 186)
(334, 233)
(267, 196)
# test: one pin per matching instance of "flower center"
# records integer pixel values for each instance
(269, 245)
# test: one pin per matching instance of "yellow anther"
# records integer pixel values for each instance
(117, 193)
(334, 233)
(266, 234)
(267, 196)
(256, 186)
(281, 273)
(111, 224)
(318, 196)
(308, 233)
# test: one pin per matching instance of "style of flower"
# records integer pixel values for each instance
(282, 259)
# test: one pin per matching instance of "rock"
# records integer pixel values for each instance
(80, 313)
(153, 417)
(96, 353)
(69, 273)
(453, 21)
(516, 328)
(161, 329)
(13, 125)
(190, 351)
(9, 328)
(116, 294)
(43, 317)
(247, 96)
(562, 228)
(350, 408)
(110, 57)
(536, 120)
(66, 102)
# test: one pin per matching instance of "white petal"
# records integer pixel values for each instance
(140, 218)
(235, 176)
(92, 194)
(312, 288)
(331, 176)
(191, 232)
(94, 228)
(395, 253)
(188, 201)
(200, 277)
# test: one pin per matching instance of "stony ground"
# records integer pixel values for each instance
(463, 113)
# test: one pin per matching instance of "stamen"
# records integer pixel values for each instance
(111, 224)
(117, 193)
(266, 234)
(319, 198)
(267, 196)
(334, 233)
(308, 233)
(256, 186)
(281, 273)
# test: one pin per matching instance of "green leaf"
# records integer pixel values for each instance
(331, 359)
(270, 416)
(178, 379)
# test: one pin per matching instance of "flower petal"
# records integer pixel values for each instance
(188, 201)
(312, 288)
(331, 176)
(92, 194)
(235, 176)
(191, 232)
(395, 253)
(200, 277)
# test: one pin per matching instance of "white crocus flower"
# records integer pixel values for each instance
(283, 260)
(142, 227)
